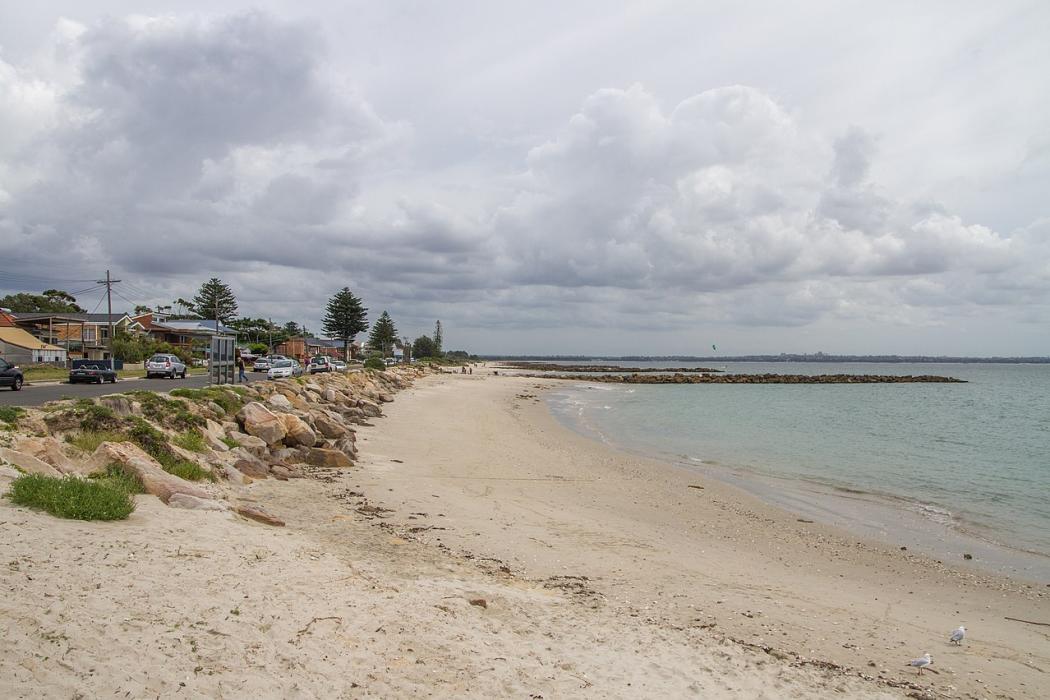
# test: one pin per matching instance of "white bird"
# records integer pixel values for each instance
(921, 662)
(958, 635)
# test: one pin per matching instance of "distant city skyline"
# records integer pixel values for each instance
(582, 178)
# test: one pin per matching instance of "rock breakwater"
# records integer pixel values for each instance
(639, 378)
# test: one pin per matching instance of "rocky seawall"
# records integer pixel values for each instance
(677, 378)
(194, 448)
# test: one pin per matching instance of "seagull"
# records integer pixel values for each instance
(958, 635)
(921, 662)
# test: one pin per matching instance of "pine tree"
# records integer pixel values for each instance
(437, 339)
(344, 318)
(383, 335)
(215, 300)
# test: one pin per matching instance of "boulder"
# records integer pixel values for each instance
(154, 479)
(285, 472)
(329, 458)
(27, 462)
(370, 409)
(121, 405)
(297, 432)
(254, 468)
(235, 476)
(50, 450)
(346, 446)
(251, 444)
(329, 395)
(262, 423)
(386, 398)
(215, 408)
(184, 500)
(329, 427)
(258, 514)
(279, 402)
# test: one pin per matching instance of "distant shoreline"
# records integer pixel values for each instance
(815, 358)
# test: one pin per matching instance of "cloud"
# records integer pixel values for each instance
(177, 148)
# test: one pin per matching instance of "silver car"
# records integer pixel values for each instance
(168, 366)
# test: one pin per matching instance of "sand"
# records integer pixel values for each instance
(592, 574)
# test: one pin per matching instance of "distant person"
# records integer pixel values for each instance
(240, 368)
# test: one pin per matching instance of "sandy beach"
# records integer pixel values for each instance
(479, 549)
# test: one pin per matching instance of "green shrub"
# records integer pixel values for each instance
(375, 363)
(230, 442)
(117, 476)
(93, 417)
(153, 443)
(89, 440)
(10, 414)
(171, 413)
(191, 440)
(70, 497)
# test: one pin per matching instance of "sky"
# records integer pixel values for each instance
(545, 177)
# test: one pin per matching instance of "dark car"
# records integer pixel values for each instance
(10, 375)
(92, 374)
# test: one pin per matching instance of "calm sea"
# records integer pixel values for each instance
(949, 469)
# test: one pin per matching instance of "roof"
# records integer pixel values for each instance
(194, 324)
(22, 339)
(86, 318)
(324, 342)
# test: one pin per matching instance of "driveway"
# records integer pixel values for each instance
(35, 395)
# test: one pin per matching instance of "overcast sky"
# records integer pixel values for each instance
(546, 177)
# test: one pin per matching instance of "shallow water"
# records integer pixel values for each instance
(968, 458)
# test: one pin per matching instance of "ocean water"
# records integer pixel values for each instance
(945, 467)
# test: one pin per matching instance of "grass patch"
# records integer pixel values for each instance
(171, 413)
(94, 418)
(230, 442)
(70, 497)
(231, 399)
(115, 475)
(89, 440)
(191, 440)
(153, 442)
(10, 414)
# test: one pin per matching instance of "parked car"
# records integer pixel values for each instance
(390, 361)
(168, 366)
(339, 366)
(10, 375)
(263, 364)
(320, 363)
(92, 374)
(282, 369)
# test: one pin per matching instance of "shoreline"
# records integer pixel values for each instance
(516, 485)
(890, 519)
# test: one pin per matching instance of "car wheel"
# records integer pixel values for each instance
(112, 380)
(171, 374)
(17, 386)
(183, 374)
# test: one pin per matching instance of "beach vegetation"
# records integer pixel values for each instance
(231, 399)
(105, 498)
(154, 443)
(10, 414)
(375, 362)
(191, 440)
(230, 442)
(170, 413)
(116, 475)
(89, 440)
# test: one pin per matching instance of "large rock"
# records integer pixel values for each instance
(27, 463)
(328, 457)
(50, 450)
(154, 479)
(262, 423)
(256, 469)
(121, 405)
(184, 500)
(329, 427)
(370, 409)
(280, 402)
(297, 432)
(258, 514)
(346, 446)
(251, 444)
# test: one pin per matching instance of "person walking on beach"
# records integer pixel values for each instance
(240, 368)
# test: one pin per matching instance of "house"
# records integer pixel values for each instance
(303, 348)
(84, 336)
(20, 347)
(193, 334)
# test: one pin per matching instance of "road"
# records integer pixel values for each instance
(42, 393)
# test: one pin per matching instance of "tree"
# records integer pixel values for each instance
(424, 347)
(215, 300)
(141, 309)
(292, 328)
(383, 335)
(52, 301)
(344, 318)
(183, 306)
(438, 339)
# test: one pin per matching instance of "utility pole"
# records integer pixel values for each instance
(269, 329)
(109, 313)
